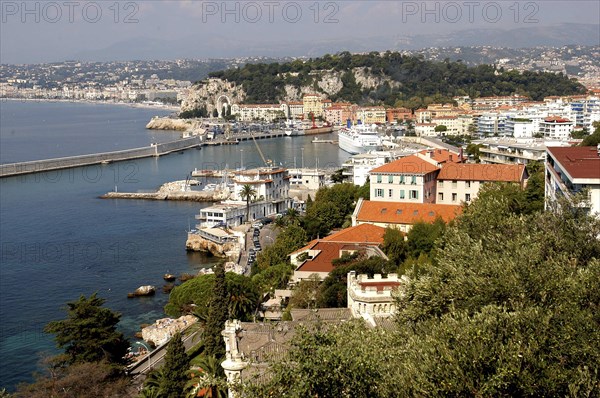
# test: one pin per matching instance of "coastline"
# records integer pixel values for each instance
(172, 108)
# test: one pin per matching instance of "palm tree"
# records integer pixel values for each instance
(207, 379)
(247, 193)
(153, 385)
(293, 216)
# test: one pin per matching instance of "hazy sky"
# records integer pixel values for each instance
(43, 31)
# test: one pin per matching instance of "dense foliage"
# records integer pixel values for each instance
(175, 369)
(332, 208)
(415, 82)
(508, 305)
(89, 334)
(86, 379)
(218, 313)
(594, 138)
(194, 296)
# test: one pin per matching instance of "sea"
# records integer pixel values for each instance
(59, 240)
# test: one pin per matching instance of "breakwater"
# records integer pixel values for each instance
(37, 166)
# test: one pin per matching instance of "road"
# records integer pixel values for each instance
(156, 358)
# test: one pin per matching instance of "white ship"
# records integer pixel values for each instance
(293, 129)
(359, 139)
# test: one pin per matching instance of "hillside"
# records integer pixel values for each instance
(389, 78)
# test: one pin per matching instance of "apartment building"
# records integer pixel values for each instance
(571, 170)
(409, 179)
(556, 128)
(457, 183)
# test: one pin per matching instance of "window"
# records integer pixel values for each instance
(454, 197)
(441, 184)
(379, 179)
(441, 196)
(454, 184)
(401, 179)
(402, 194)
(467, 197)
(413, 180)
(379, 193)
(413, 194)
(390, 193)
(468, 184)
(391, 179)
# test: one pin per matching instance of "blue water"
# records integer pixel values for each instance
(58, 240)
(42, 130)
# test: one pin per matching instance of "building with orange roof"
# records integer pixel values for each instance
(569, 170)
(318, 255)
(409, 179)
(457, 183)
(401, 215)
(441, 156)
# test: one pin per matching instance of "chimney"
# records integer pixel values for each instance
(430, 154)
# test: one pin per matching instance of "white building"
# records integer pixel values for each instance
(266, 112)
(505, 150)
(371, 298)
(357, 167)
(570, 170)
(309, 178)
(556, 128)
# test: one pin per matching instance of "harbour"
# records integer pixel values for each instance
(59, 240)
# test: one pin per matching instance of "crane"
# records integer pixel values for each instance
(267, 162)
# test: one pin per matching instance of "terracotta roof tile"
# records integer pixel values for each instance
(579, 162)
(441, 155)
(482, 172)
(358, 234)
(405, 213)
(410, 164)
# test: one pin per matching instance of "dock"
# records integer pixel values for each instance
(153, 150)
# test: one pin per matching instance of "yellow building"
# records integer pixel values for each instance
(371, 114)
(312, 103)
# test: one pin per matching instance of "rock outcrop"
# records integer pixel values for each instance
(163, 329)
(200, 244)
(212, 94)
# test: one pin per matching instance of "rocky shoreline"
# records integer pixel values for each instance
(176, 190)
(192, 126)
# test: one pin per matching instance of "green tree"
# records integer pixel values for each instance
(440, 128)
(394, 245)
(89, 334)
(346, 360)
(175, 369)
(305, 294)
(338, 176)
(247, 193)
(592, 139)
(217, 315)
(422, 237)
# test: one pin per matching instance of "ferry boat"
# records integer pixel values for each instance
(359, 139)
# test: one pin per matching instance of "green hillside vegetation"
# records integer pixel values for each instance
(420, 82)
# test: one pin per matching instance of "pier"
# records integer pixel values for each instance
(153, 150)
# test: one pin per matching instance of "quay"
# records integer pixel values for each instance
(153, 150)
